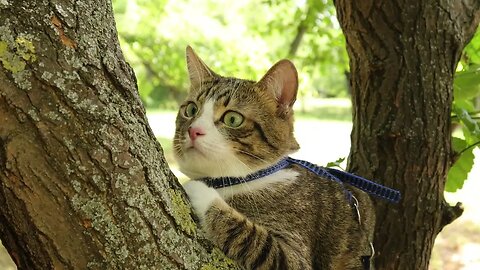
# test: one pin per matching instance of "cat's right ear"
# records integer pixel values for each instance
(198, 71)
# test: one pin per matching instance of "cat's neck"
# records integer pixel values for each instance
(281, 176)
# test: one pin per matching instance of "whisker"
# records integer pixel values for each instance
(253, 156)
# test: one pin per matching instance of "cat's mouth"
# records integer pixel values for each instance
(192, 148)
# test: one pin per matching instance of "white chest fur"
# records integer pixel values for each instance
(201, 196)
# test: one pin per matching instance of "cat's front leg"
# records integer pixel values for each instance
(201, 197)
(252, 245)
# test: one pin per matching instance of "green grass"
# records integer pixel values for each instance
(326, 113)
(167, 146)
(332, 109)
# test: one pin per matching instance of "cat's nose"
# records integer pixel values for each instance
(194, 132)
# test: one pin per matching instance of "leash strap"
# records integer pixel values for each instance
(368, 186)
(320, 171)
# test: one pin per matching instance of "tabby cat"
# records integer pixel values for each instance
(291, 219)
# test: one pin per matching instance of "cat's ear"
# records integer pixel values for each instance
(282, 81)
(198, 71)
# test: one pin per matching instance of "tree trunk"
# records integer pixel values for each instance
(403, 56)
(83, 181)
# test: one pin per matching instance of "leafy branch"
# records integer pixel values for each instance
(468, 148)
(469, 113)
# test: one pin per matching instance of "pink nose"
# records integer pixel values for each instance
(195, 132)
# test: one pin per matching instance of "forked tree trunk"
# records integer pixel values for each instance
(83, 181)
(403, 56)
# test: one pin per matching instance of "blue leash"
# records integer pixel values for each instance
(366, 185)
(338, 176)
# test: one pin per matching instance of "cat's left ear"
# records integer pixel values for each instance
(197, 69)
(282, 81)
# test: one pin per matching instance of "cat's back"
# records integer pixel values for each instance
(315, 212)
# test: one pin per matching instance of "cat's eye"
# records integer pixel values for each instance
(233, 119)
(191, 110)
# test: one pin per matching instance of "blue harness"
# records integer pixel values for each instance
(338, 176)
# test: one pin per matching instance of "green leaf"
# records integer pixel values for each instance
(465, 104)
(467, 83)
(470, 124)
(472, 50)
(459, 171)
(336, 163)
(458, 144)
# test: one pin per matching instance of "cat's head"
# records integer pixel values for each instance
(233, 127)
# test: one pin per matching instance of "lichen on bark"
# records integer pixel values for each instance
(219, 262)
(183, 212)
(15, 52)
(85, 183)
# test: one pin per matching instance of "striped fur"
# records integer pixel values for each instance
(290, 220)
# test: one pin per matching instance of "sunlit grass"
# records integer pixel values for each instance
(334, 109)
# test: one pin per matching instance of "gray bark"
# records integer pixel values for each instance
(83, 181)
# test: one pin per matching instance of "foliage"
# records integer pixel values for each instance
(465, 114)
(240, 38)
(244, 38)
(459, 172)
(337, 163)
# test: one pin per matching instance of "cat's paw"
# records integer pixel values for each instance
(201, 196)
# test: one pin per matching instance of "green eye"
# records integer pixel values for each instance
(233, 119)
(191, 110)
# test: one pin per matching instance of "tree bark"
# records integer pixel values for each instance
(83, 181)
(403, 56)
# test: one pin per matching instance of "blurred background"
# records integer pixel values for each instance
(243, 39)
(236, 38)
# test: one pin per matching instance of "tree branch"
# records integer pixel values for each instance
(297, 40)
(472, 16)
(469, 113)
(450, 213)
(301, 30)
